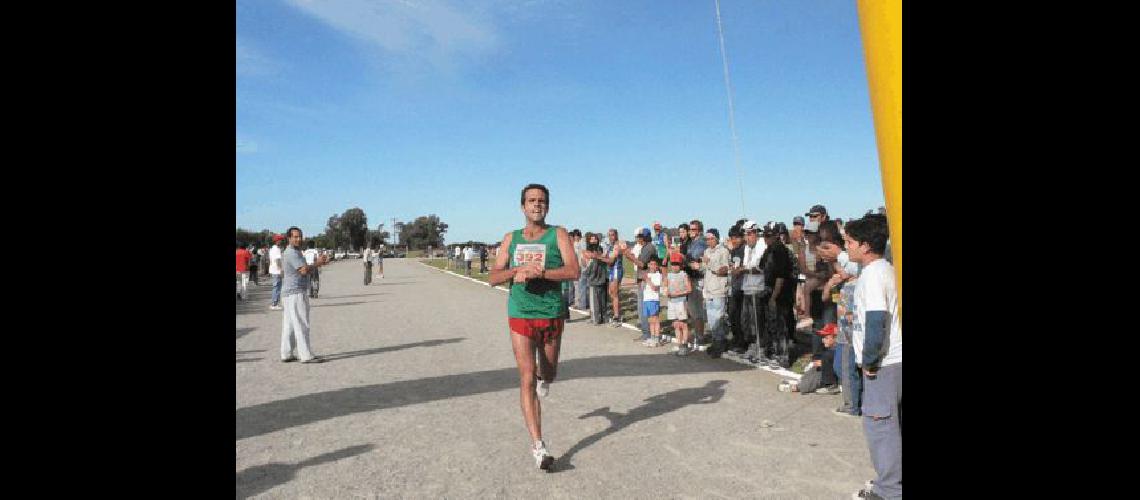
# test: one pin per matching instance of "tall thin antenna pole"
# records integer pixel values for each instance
(731, 110)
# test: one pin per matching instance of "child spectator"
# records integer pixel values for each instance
(819, 377)
(651, 302)
(677, 290)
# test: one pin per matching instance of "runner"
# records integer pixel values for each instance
(534, 262)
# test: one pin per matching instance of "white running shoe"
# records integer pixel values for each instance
(542, 458)
(542, 388)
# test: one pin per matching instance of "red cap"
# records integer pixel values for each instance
(277, 237)
(828, 329)
(676, 258)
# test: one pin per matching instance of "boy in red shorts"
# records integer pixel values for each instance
(534, 262)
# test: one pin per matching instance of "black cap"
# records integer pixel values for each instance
(797, 220)
(771, 229)
(817, 209)
(714, 232)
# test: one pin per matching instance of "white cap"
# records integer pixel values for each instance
(750, 225)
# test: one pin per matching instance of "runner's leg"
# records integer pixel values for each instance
(524, 348)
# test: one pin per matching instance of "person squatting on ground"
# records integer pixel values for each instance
(538, 258)
(275, 270)
(819, 377)
(877, 339)
(295, 323)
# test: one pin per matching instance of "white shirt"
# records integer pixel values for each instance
(310, 256)
(753, 283)
(651, 294)
(367, 254)
(274, 256)
(875, 291)
(457, 252)
(468, 253)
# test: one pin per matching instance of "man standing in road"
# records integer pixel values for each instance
(243, 258)
(315, 279)
(468, 256)
(716, 262)
(275, 270)
(537, 258)
(368, 265)
(295, 323)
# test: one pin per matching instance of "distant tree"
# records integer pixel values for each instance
(426, 230)
(354, 226)
(333, 235)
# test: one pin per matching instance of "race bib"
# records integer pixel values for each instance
(530, 252)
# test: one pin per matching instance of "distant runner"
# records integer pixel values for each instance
(534, 264)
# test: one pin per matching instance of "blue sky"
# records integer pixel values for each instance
(406, 108)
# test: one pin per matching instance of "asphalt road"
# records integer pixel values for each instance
(419, 399)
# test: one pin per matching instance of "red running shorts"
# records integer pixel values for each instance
(543, 329)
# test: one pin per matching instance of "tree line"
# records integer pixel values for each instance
(349, 231)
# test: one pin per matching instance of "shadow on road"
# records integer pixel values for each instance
(655, 406)
(282, 414)
(241, 332)
(378, 350)
(345, 303)
(350, 296)
(258, 479)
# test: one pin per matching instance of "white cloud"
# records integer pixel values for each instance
(431, 30)
(251, 62)
(246, 146)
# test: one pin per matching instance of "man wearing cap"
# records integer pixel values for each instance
(735, 245)
(820, 376)
(715, 262)
(295, 287)
(753, 304)
(780, 320)
(639, 256)
(659, 238)
(275, 270)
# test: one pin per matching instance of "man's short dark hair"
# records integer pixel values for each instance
(871, 229)
(697, 222)
(829, 232)
(522, 197)
(289, 232)
(735, 231)
(576, 232)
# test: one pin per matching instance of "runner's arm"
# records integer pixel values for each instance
(500, 272)
(569, 269)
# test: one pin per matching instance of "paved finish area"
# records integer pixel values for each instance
(419, 399)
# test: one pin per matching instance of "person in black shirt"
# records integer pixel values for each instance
(781, 321)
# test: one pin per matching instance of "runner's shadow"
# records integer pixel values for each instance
(273, 416)
(258, 479)
(337, 304)
(655, 406)
(241, 332)
(378, 350)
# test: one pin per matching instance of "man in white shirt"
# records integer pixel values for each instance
(315, 278)
(468, 254)
(877, 341)
(458, 255)
(368, 265)
(753, 313)
(275, 270)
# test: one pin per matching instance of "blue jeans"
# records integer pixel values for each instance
(582, 294)
(850, 377)
(714, 309)
(642, 319)
(276, 289)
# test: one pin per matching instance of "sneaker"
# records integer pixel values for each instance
(542, 388)
(314, 359)
(289, 360)
(804, 324)
(683, 350)
(827, 390)
(276, 308)
(842, 410)
(867, 494)
(542, 458)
